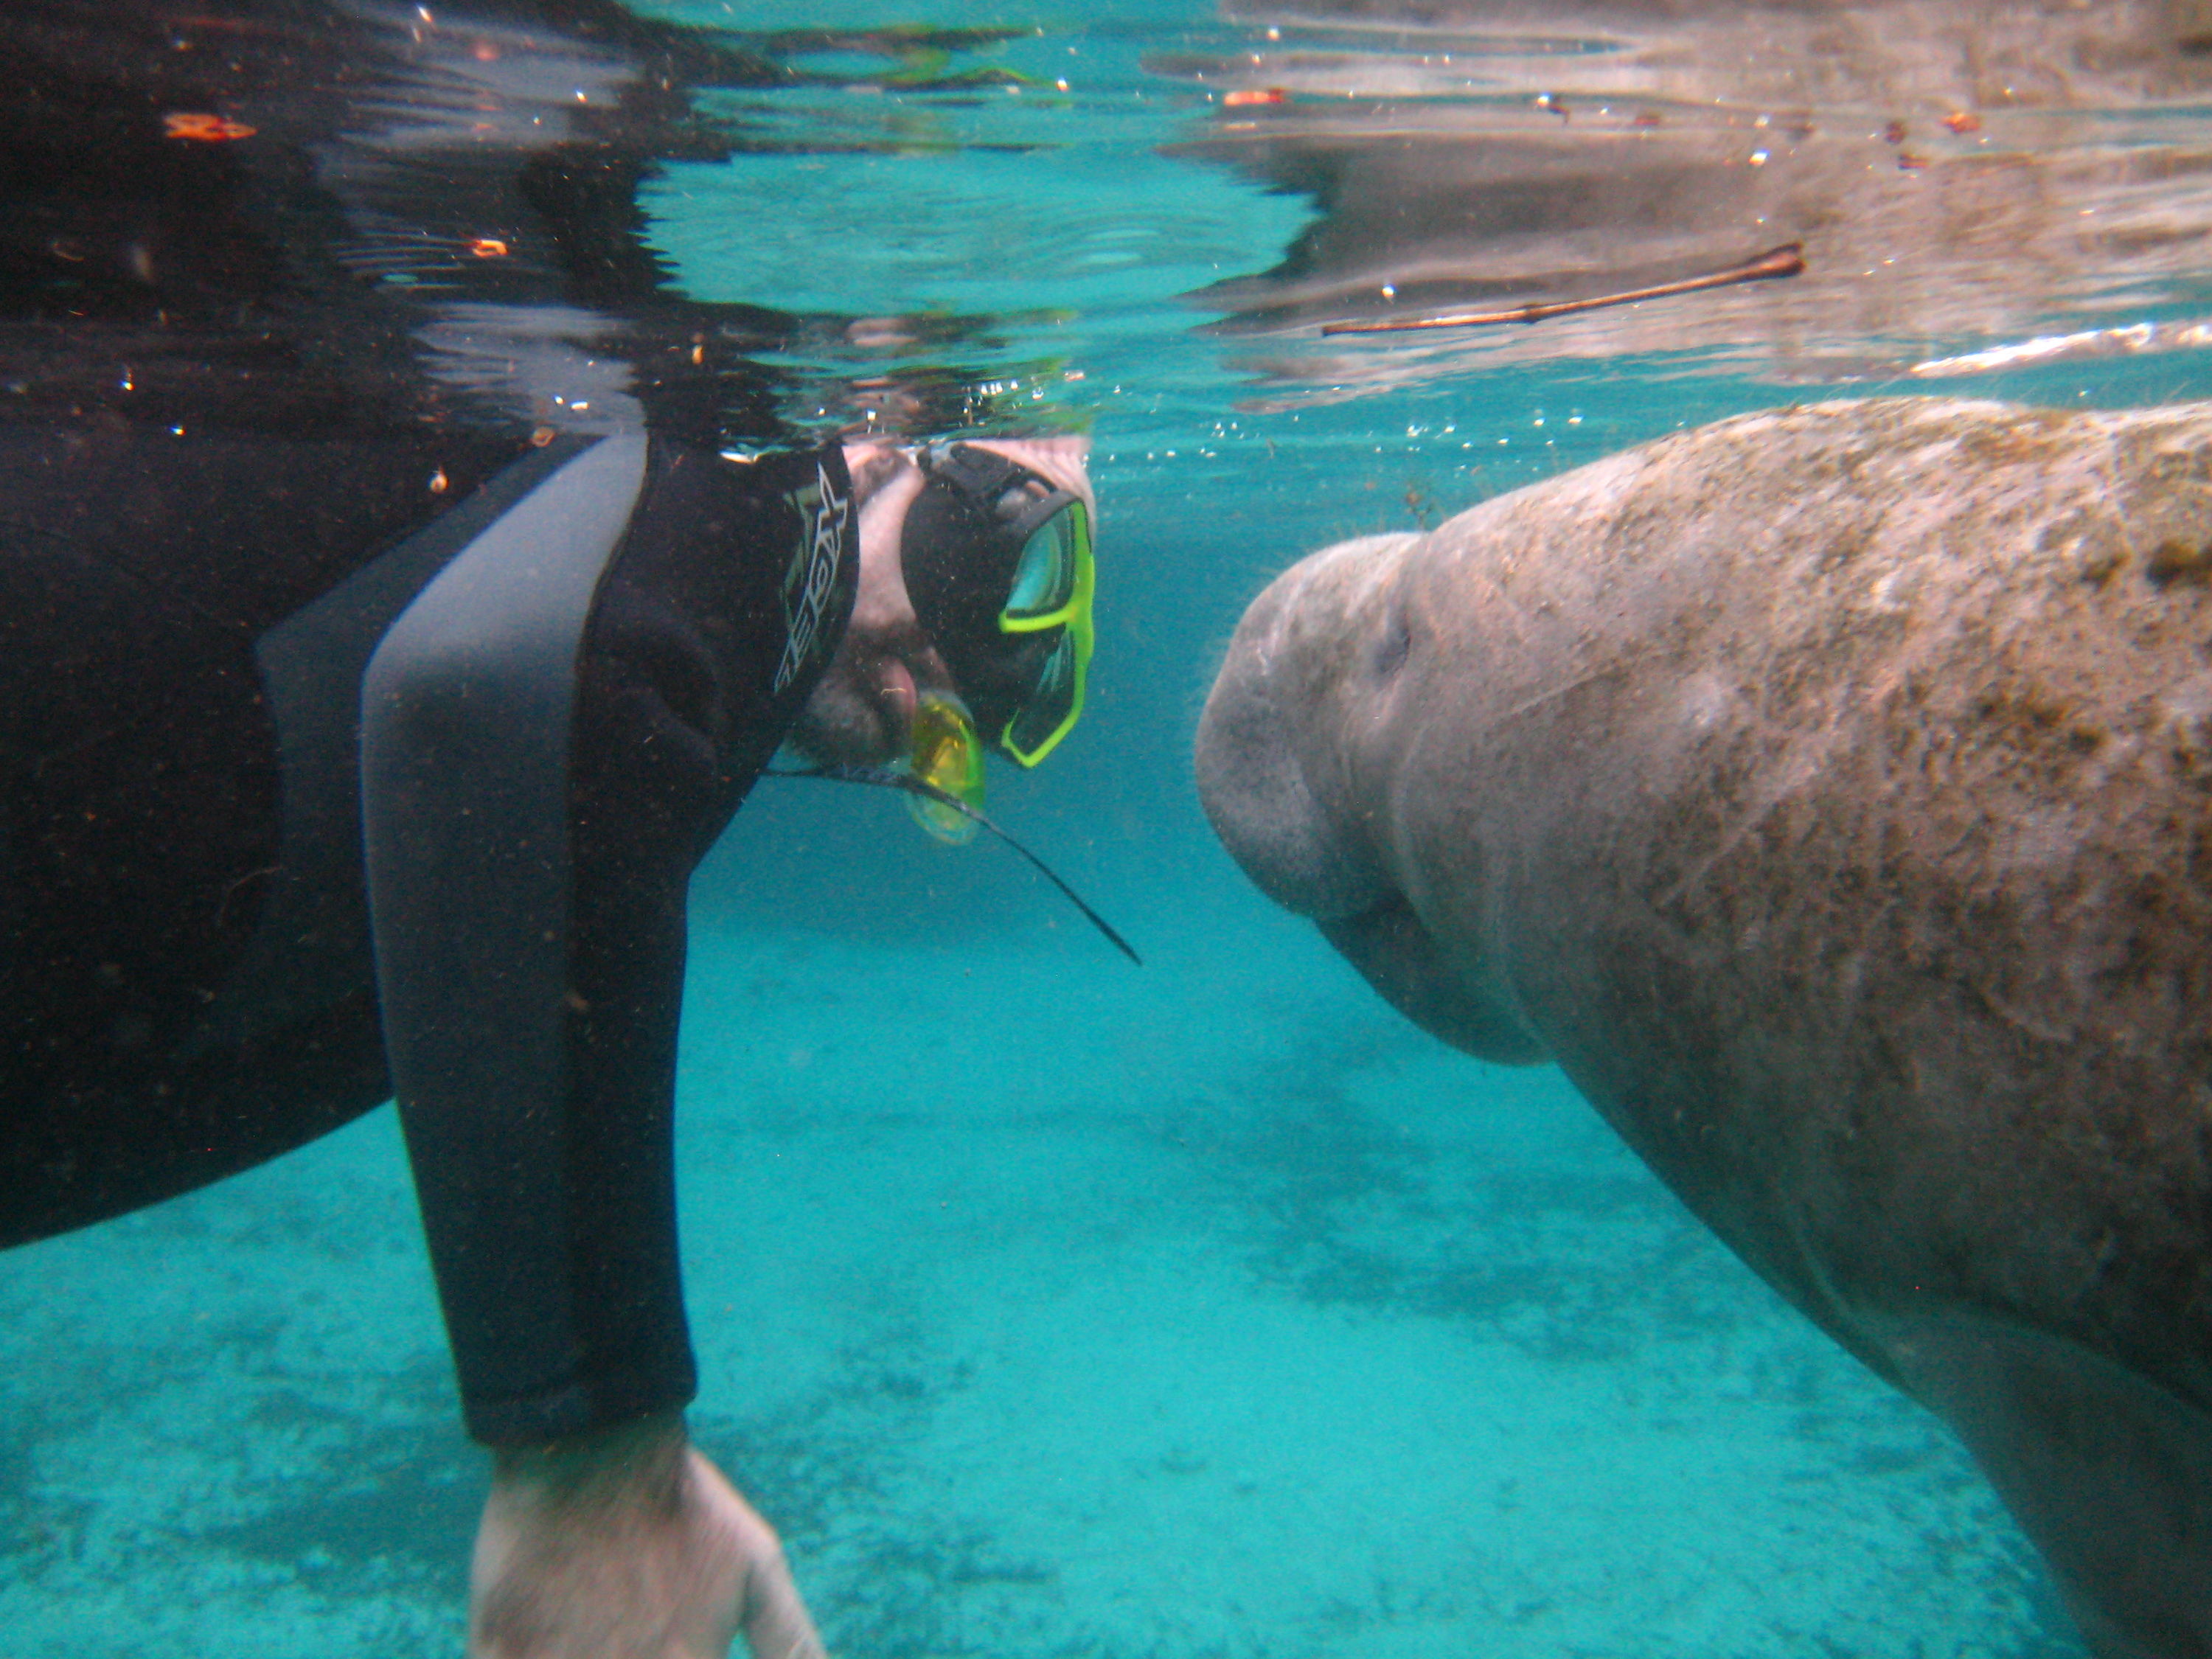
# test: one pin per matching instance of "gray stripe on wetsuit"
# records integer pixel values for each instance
(466, 711)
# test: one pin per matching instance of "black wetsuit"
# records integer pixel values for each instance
(185, 632)
(364, 707)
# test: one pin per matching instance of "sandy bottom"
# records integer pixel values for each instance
(1051, 1308)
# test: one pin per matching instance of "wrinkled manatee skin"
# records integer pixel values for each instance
(1828, 792)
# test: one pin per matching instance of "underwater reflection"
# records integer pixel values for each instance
(1957, 176)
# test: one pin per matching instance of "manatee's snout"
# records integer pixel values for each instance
(1261, 742)
(1295, 772)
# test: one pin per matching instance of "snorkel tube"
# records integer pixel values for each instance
(883, 777)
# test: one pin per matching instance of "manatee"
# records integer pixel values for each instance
(1828, 793)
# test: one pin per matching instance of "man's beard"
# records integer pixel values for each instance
(841, 725)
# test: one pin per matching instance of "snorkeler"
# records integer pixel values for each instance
(378, 657)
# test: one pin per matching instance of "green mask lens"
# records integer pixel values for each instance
(1045, 580)
(1053, 587)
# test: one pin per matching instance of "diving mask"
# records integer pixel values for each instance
(998, 563)
(945, 754)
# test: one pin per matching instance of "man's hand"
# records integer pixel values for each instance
(627, 1543)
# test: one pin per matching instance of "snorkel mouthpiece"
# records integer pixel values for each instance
(947, 754)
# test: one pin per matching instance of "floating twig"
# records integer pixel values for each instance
(1787, 260)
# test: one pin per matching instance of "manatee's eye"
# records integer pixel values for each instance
(1391, 645)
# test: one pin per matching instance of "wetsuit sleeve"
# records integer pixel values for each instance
(547, 756)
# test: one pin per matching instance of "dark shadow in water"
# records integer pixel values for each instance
(824, 1470)
(1344, 1207)
(1574, 1258)
(40, 1530)
(383, 1508)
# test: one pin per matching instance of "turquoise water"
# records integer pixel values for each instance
(1052, 1307)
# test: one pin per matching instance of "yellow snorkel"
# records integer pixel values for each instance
(947, 754)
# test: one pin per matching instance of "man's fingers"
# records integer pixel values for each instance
(777, 1626)
(775, 1620)
(776, 1623)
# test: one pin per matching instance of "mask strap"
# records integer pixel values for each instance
(986, 477)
